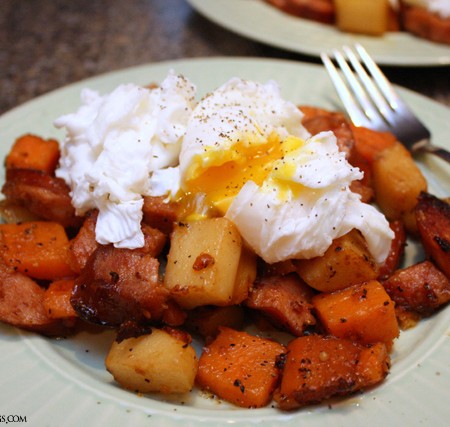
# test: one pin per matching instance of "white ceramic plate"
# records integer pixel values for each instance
(262, 22)
(64, 383)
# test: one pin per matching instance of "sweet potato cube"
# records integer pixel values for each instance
(57, 299)
(240, 368)
(317, 368)
(33, 152)
(207, 264)
(397, 181)
(363, 313)
(38, 249)
(346, 262)
(369, 143)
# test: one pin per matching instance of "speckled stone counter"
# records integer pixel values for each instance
(46, 44)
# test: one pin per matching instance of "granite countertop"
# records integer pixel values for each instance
(46, 44)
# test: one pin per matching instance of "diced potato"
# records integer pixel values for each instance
(362, 16)
(207, 264)
(158, 362)
(398, 182)
(346, 262)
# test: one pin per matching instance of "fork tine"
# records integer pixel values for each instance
(355, 113)
(380, 78)
(376, 96)
(355, 85)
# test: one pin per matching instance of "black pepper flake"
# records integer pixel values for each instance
(237, 383)
(114, 276)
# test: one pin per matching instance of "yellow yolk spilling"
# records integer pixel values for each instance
(220, 174)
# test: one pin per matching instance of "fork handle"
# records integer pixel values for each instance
(441, 152)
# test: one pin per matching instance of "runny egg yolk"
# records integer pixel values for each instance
(221, 173)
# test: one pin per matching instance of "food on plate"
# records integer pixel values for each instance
(433, 223)
(317, 368)
(396, 192)
(329, 272)
(39, 249)
(230, 242)
(241, 368)
(352, 16)
(114, 142)
(146, 363)
(208, 264)
(317, 10)
(371, 318)
(429, 19)
(418, 289)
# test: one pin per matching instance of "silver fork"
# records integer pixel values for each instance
(371, 101)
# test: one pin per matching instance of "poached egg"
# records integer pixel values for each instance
(241, 151)
(122, 146)
(286, 191)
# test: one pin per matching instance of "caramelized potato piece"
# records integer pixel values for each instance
(346, 262)
(208, 265)
(157, 362)
(362, 16)
(317, 368)
(433, 222)
(363, 313)
(240, 368)
(398, 182)
(285, 300)
(421, 288)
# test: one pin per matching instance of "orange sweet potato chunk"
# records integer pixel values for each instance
(38, 249)
(363, 313)
(369, 143)
(318, 368)
(33, 152)
(240, 368)
(57, 299)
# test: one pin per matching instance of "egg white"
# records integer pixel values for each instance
(122, 146)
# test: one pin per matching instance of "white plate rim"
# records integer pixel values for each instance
(262, 22)
(40, 359)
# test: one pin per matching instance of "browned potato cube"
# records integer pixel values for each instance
(208, 265)
(158, 362)
(398, 182)
(362, 16)
(346, 262)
